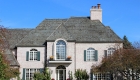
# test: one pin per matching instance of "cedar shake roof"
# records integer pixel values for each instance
(78, 29)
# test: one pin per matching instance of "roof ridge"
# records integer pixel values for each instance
(56, 19)
(68, 32)
(57, 28)
(24, 37)
(20, 28)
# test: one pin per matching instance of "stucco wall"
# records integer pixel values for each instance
(21, 58)
(80, 47)
(70, 52)
(76, 51)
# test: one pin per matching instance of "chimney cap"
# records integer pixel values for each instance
(93, 7)
(98, 5)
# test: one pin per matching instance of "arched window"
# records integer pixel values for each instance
(60, 50)
(90, 55)
(33, 55)
(61, 67)
(109, 52)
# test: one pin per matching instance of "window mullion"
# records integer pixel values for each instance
(90, 55)
(29, 55)
(29, 73)
(33, 55)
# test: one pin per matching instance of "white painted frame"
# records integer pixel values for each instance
(54, 53)
(57, 73)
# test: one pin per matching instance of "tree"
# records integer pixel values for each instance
(3, 66)
(124, 63)
(126, 43)
(6, 72)
(47, 74)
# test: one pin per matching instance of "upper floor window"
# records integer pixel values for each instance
(60, 50)
(90, 55)
(33, 55)
(109, 52)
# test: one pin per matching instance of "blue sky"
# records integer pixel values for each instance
(123, 16)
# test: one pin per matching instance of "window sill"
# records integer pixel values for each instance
(91, 61)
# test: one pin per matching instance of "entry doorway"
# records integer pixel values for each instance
(61, 73)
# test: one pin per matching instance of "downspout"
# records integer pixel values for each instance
(75, 56)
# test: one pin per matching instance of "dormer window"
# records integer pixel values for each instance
(60, 50)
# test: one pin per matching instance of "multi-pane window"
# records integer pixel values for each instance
(101, 76)
(60, 50)
(29, 73)
(33, 55)
(110, 51)
(90, 55)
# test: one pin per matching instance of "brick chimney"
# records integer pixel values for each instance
(96, 12)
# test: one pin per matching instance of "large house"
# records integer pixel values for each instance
(85, 39)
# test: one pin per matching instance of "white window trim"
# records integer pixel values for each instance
(64, 73)
(33, 55)
(99, 76)
(110, 51)
(54, 53)
(30, 71)
(90, 59)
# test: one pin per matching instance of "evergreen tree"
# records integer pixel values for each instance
(3, 67)
(126, 43)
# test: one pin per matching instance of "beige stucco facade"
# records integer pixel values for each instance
(76, 51)
(73, 49)
(21, 58)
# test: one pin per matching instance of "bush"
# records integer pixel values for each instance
(81, 74)
(43, 76)
(38, 76)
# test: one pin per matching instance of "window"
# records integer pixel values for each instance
(60, 50)
(33, 55)
(90, 54)
(109, 52)
(29, 73)
(101, 76)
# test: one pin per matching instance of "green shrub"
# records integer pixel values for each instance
(81, 74)
(43, 76)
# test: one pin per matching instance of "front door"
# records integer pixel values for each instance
(61, 73)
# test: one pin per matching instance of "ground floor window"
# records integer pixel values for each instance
(101, 76)
(29, 73)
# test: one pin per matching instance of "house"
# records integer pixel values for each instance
(85, 39)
